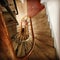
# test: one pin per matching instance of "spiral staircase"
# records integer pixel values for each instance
(23, 41)
(37, 44)
(43, 44)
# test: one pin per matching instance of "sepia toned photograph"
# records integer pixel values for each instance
(29, 30)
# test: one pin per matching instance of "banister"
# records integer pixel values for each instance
(5, 39)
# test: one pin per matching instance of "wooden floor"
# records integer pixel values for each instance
(44, 43)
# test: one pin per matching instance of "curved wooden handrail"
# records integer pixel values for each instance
(32, 37)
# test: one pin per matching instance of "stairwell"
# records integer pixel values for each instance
(44, 43)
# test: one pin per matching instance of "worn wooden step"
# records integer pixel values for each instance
(45, 40)
(37, 54)
(48, 51)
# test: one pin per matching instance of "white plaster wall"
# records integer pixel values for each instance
(53, 14)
